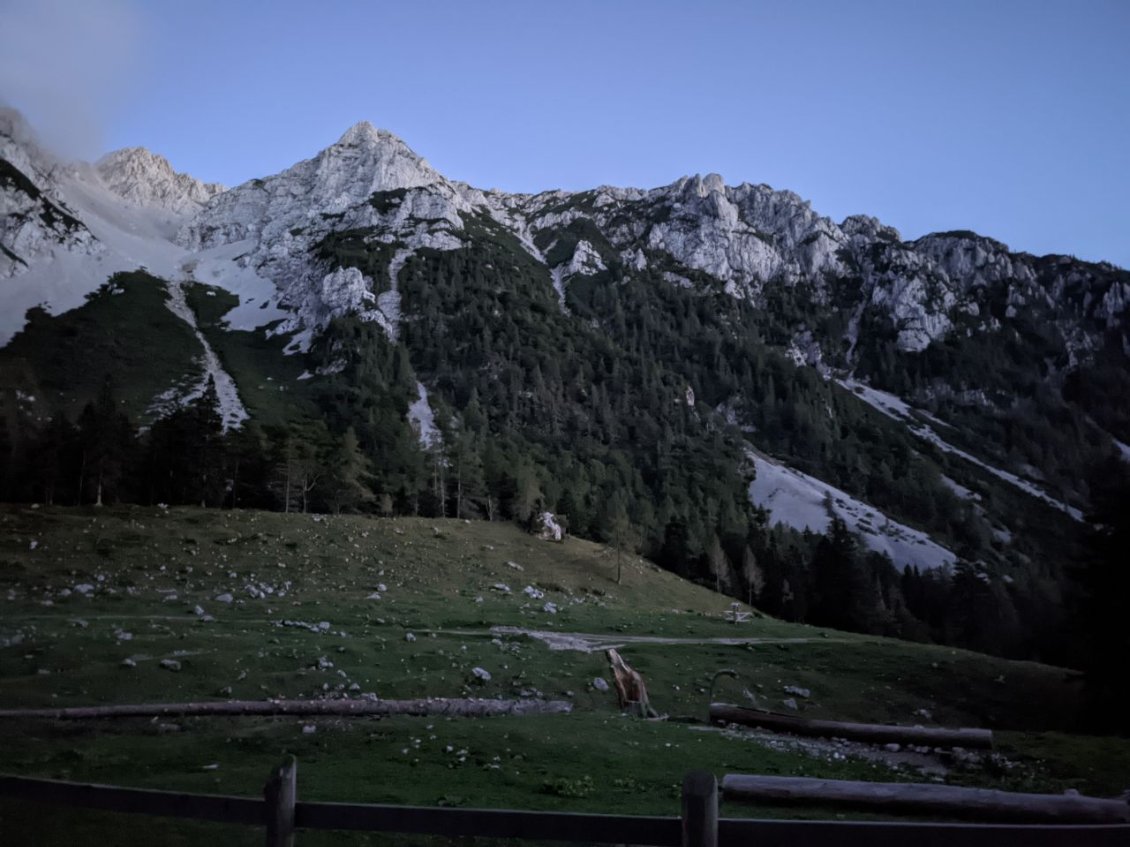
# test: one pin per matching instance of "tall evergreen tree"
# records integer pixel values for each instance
(1101, 612)
(718, 564)
(106, 437)
(347, 475)
(753, 575)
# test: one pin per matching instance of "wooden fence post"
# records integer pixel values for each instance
(700, 809)
(281, 793)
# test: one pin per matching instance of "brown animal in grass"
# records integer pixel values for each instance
(630, 687)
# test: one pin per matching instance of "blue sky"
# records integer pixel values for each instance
(1009, 118)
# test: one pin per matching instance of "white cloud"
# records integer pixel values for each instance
(67, 65)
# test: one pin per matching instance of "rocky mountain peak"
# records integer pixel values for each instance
(312, 194)
(364, 133)
(869, 229)
(371, 159)
(704, 186)
(144, 178)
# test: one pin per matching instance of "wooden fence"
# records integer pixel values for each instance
(282, 814)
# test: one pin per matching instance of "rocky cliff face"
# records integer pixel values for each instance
(145, 179)
(35, 221)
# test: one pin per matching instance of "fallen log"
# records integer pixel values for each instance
(454, 707)
(872, 732)
(981, 804)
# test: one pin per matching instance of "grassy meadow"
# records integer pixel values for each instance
(251, 605)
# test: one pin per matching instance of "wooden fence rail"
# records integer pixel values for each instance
(949, 801)
(281, 814)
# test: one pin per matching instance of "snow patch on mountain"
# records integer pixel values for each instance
(232, 411)
(423, 421)
(136, 235)
(898, 409)
(388, 302)
(557, 276)
(959, 489)
(226, 267)
(1123, 449)
(57, 285)
(804, 502)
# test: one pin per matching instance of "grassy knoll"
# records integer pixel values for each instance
(83, 590)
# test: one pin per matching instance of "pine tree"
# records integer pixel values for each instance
(617, 530)
(248, 464)
(205, 446)
(718, 563)
(51, 455)
(347, 475)
(1100, 614)
(753, 575)
(842, 588)
(106, 437)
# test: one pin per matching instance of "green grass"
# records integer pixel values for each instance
(70, 651)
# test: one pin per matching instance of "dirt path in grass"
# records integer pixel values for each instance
(589, 642)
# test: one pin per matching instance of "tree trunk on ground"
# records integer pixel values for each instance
(874, 733)
(926, 798)
(460, 707)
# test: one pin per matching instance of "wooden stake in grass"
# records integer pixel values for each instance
(281, 795)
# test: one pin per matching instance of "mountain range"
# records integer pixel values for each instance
(711, 360)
